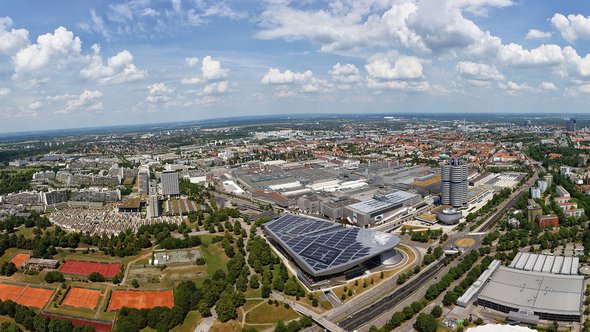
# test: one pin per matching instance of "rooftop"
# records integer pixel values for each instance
(323, 248)
(382, 201)
(537, 291)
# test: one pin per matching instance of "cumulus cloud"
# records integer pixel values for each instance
(12, 40)
(118, 69)
(572, 27)
(275, 76)
(87, 101)
(405, 68)
(216, 88)
(347, 73)
(158, 92)
(544, 55)
(547, 86)
(514, 88)
(51, 50)
(478, 71)
(537, 34)
(212, 70)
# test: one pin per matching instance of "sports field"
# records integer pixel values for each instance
(141, 299)
(19, 259)
(82, 268)
(26, 295)
(82, 298)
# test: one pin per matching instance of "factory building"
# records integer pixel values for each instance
(381, 208)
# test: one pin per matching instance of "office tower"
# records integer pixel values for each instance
(143, 182)
(571, 125)
(154, 209)
(170, 185)
(454, 183)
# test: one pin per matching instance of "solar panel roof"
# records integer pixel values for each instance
(322, 247)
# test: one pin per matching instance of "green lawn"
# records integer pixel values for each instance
(270, 314)
(192, 319)
(253, 293)
(214, 257)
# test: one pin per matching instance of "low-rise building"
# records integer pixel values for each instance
(547, 220)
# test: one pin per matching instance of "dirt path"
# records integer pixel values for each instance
(126, 273)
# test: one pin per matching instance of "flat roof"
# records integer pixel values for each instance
(382, 202)
(536, 291)
(323, 248)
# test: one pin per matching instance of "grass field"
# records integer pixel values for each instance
(252, 293)
(192, 319)
(152, 277)
(358, 289)
(270, 314)
(214, 257)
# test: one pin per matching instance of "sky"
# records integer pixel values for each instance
(71, 63)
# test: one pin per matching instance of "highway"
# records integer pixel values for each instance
(376, 309)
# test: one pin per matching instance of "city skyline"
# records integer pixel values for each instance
(69, 64)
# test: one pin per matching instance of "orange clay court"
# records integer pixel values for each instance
(19, 259)
(82, 298)
(141, 299)
(25, 295)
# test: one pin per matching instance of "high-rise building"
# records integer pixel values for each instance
(533, 210)
(154, 208)
(535, 192)
(454, 183)
(143, 182)
(170, 184)
(571, 125)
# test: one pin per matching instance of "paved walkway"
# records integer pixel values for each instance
(330, 326)
(207, 323)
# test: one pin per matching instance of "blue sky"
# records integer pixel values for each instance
(66, 64)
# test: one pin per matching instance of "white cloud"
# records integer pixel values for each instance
(11, 40)
(212, 70)
(191, 80)
(515, 87)
(35, 105)
(51, 50)
(544, 55)
(87, 101)
(347, 73)
(478, 71)
(158, 92)
(4, 92)
(547, 86)
(216, 88)
(405, 68)
(572, 27)
(274, 76)
(119, 68)
(191, 61)
(420, 86)
(537, 34)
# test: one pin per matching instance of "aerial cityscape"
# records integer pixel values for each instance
(341, 165)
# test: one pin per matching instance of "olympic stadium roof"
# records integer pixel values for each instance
(323, 248)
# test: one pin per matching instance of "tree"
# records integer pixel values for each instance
(436, 312)
(265, 291)
(54, 276)
(135, 283)
(254, 283)
(426, 323)
(96, 277)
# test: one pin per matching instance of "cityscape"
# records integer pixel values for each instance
(178, 166)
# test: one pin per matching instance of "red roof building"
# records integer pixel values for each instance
(547, 220)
